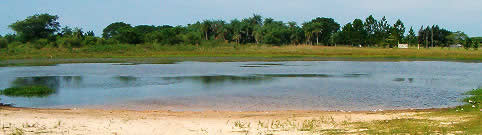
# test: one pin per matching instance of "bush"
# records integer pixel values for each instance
(214, 43)
(89, 40)
(193, 38)
(18, 47)
(109, 48)
(476, 45)
(28, 91)
(3, 43)
(69, 42)
(41, 43)
(102, 41)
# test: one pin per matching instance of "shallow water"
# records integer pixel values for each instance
(247, 86)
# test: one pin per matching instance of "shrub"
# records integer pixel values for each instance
(41, 43)
(18, 47)
(69, 42)
(476, 45)
(102, 41)
(89, 40)
(3, 43)
(109, 48)
(214, 43)
(193, 38)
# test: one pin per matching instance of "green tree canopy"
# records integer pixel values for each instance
(398, 30)
(411, 37)
(320, 29)
(370, 26)
(457, 38)
(113, 29)
(36, 27)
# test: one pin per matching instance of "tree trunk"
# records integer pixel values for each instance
(426, 41)
(317, 43)
(432, 38)
(206, 33)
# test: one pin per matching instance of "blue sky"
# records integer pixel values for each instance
(455, 15)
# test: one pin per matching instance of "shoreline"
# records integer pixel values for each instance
(10, 106)
(173, 60)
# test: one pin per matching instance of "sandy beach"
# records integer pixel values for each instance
(108, 122)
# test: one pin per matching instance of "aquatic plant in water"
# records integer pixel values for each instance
(28, 91)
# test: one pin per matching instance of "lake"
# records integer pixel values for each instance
(247, 86)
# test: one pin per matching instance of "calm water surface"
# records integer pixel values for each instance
(247, 86)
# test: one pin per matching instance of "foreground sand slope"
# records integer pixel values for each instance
(55, 121)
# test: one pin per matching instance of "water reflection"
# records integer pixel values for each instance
(410, 80)
(126, 79)
(264, 64)
(313, 75)
(53, 82)
(356, 75)
(125, 64)
(249, 79)
(295, 75)
(254, 66)
(220, 79)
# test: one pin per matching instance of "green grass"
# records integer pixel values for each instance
(162, 54)
(28, 91)
(473, 102)
(300, 51)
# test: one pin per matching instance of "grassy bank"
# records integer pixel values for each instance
(149, 51)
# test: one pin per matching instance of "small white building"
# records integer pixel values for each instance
(402, 45)
(456, 46)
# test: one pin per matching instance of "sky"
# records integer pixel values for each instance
(455, 15)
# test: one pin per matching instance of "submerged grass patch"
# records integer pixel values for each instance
(28, 91)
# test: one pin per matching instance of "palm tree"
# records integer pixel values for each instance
(205, 28)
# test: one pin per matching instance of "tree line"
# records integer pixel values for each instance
(44, 30)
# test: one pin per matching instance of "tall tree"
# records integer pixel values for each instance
(236, 28)
(411, 37)
(382, 30)
(359, 32)
(321, 29)
(346, 35)
(36, 27)
(296, 33)
(398, 30)
(113, 29)
(206, 28)
(127, 35)
(371, 28)
(219, 29)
